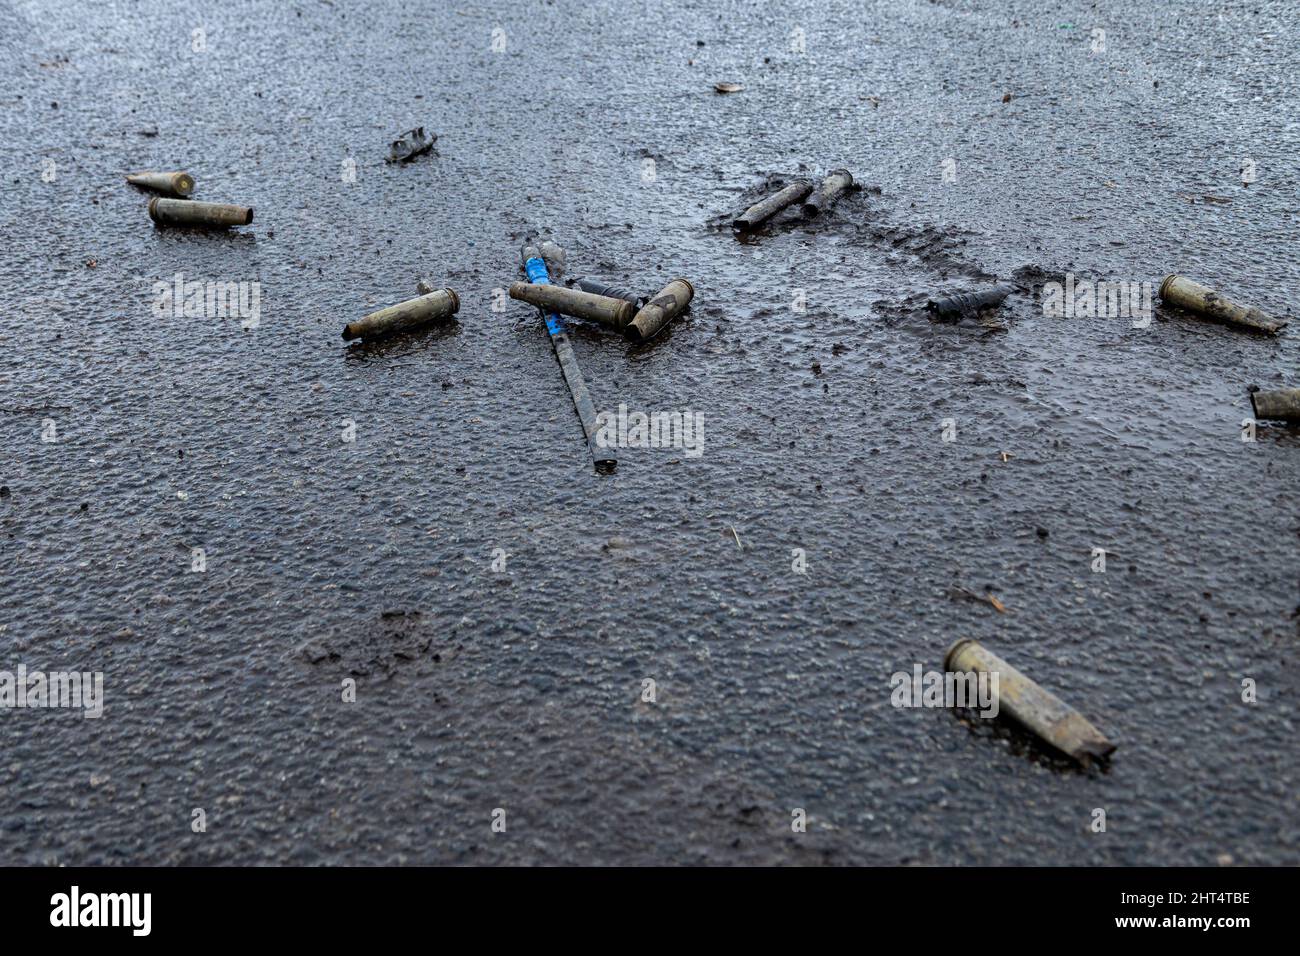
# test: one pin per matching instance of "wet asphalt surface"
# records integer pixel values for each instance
(521, 690)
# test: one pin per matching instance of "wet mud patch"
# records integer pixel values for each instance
(938, 249)
(850, 209)
(861, 217)
(398, 641)
(1031, 277)
(750, 820)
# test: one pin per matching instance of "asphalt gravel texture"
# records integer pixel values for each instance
(827, 537)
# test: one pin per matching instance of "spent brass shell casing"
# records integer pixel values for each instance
(187, 212)
(1055, 721)
(1283, 404)
(1194, 297)
(669, 303)
(764, 210)
(836, 181)
(585, 305)
(555, 258)
(174, 184)
(436, 305)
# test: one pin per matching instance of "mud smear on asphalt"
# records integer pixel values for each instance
(865, 218)
(399, 641)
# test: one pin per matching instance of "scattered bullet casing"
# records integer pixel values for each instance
(585, 305)
(555, 258)
(613, 291)
(174, 184)
(671, 301)
(760, 212)
(967, 303)
(439, 304)
(187, 212)
(1055, 721)
(1194, 297)
(836, 181)
(1283, 404)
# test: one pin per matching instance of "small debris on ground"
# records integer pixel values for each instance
(410, 144)
(988, 599)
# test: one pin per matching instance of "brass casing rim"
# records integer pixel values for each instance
(953, 648)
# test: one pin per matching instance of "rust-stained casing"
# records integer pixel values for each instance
(1186, 294)
(173, 184)
(187, 212)
(669, 303)
(836, 181)
(615, 313)
(764, 210)
(1283, 404)
(436, 305)
(1055, 721)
